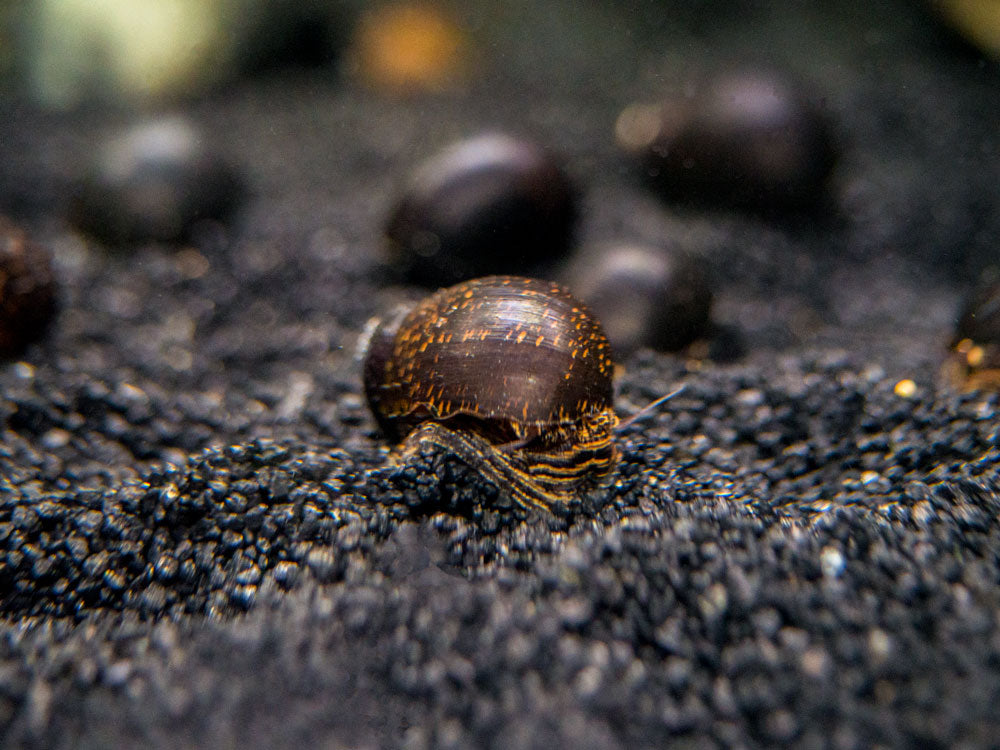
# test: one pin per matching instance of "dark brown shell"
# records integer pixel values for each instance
(749, 138)
(488, 204)
(645, 296)
(27, 289)
(511, 357)
(154, 183)
(980, 317)
(974, 361)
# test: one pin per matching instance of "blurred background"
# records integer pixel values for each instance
(61, 53)
(307, 124)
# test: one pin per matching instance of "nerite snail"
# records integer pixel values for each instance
(747, 138)
(483, 205)
(27, 289)
(974, 360)
(513, 375)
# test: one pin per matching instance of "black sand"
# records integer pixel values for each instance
(201, 542)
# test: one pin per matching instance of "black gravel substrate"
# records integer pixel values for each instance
(203, 542)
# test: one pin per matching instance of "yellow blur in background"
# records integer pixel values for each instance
(409, 48)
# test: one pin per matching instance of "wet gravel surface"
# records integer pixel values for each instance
(202, 541)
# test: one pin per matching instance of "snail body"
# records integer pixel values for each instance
(512, 374)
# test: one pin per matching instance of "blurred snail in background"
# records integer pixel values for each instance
(27, 289)
(974, 361)
(644, 297)
(747, 139)
(153, 184)
(486, 205)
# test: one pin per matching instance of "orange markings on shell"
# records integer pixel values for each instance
(504, 349)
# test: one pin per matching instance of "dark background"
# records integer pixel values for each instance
(203, 545)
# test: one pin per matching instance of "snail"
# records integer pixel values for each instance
(484, 205)
(748, 138)
(974, 360)
(645, 296)
(27, 289)
(154, 183)
(513, 375)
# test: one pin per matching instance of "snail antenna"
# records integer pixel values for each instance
(649, 408)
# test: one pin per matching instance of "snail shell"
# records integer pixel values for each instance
(27, 289)
(489, 204)
(154, 183)
(513, 374)
(749, 138)
(974, 360)
(645, 296)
